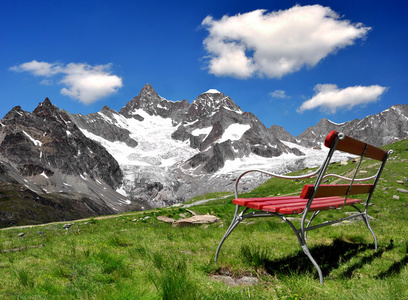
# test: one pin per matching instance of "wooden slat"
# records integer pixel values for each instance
(259, 205)
(316, 205)
(245, 201)
(327, 190)
(353, 146)
(300, 203)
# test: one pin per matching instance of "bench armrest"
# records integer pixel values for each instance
(272, 175)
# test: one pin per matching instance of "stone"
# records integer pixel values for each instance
(400, 182)
(66, 226)
(166, 219)
(40, 232)
(21, 234)
(228, 280)
(343, 163)
(402, 191)
(199, 219)
(395, 197)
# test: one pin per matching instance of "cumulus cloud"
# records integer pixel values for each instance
(281, 94)
(330, 98)
(83, 82)
(277, 43)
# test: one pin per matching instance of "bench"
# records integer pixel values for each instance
(317, 197)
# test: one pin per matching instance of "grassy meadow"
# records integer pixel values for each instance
(136, 256)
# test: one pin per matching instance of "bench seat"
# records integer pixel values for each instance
(293, 204)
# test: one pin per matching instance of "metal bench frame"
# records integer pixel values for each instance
(335, 141)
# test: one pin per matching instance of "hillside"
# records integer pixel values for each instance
(135, 255)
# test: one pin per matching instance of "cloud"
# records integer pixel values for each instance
(83, 82)
(330, 98)
(279, 94)
(38, 68)
(277, 43)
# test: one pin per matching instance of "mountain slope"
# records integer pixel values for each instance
(380, 129)
(49, 152)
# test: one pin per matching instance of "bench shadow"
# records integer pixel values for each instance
(395, 268)
(330, 257)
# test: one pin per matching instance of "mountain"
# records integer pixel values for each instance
(152, 153)
(380, 129)
(45, 152)
(171, 150)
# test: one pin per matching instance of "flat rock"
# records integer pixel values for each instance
(402, 191)
(228, 280)
(166, 219)
(199, 219)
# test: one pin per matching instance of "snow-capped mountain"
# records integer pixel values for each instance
(155, 152)
(380, 129)
(169, 151)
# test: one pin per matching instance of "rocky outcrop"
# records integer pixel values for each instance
(380, 129)
(51, 154)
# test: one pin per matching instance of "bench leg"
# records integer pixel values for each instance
(235, 221)
(365, 218)
(319, 271)
(302, 241)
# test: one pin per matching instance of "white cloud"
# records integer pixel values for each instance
(330, 98)
(277, 43)
(279, 94)
(38, 68)
(83, 82)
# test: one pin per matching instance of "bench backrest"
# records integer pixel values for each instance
(338, 141)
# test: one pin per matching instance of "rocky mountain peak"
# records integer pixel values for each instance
(209, 103)
(148, 100)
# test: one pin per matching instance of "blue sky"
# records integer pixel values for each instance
(291, 63)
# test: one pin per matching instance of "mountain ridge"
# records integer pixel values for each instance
(155, 152)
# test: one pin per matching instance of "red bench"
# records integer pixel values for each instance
(316, 197)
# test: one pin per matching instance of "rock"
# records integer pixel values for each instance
(400, 182)
(166, 219)
(40, 232)
(21, 234)
(395, 197)
(343, 163)
(402, 191)
(199, 219)
(245, 280)
(66, 226)
(191, 212)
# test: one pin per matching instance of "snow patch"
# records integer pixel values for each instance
(35, 142)
(198, 131)
(212, 91)
(234, 132)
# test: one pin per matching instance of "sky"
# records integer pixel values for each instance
(290, 63)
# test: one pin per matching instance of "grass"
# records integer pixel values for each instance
(135, 256)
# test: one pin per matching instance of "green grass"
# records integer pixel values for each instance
(135, 257)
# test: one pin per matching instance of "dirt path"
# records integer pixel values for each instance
(78, 220)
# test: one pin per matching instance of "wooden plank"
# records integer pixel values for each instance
(353, 146)
(245, 201)
(259, 205)
(314, 207)
(299, 203)
(327, 190)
